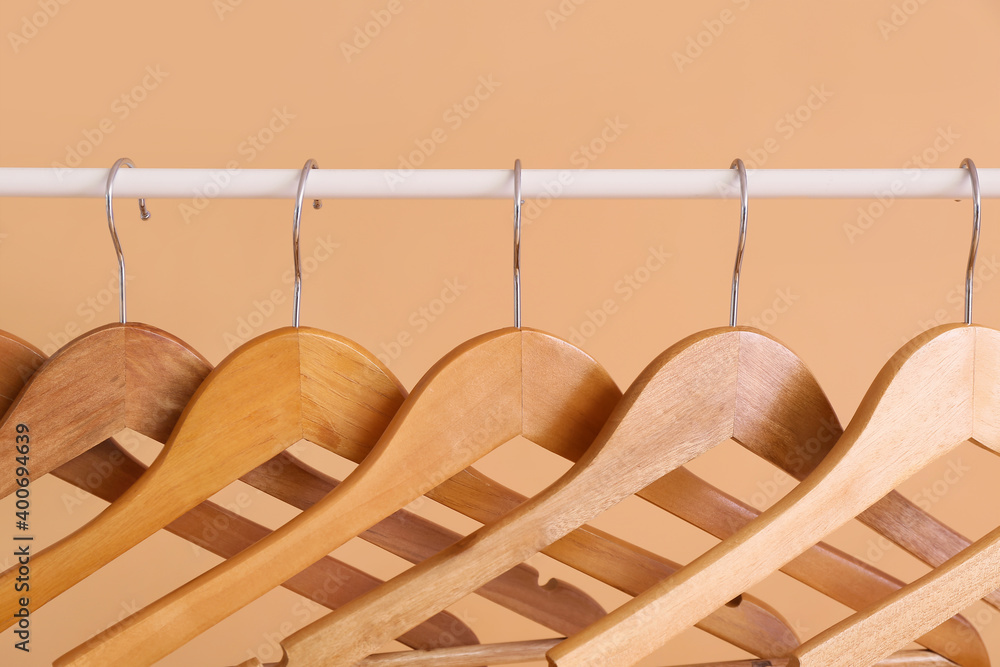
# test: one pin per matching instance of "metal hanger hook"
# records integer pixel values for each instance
(143, 215)
(296, 225)
(744, 206)
(518, 200)
(976, 220)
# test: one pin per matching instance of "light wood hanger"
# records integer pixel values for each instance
(722, 383)
(940, 390)
(140, 377)
(487, 391)
(114, 470)
(555, 605)
(467, 405)
(748, 625)
(118, 376)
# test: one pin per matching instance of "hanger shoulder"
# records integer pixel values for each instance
(952, 586)
(113, 377)
(686, 398)
(919, 406)
(245, 411)
(161, 374)
(800, 449)
(74, 400)
(565, 425)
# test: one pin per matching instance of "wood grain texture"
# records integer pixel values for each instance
(682, 405)
(468, 404)
(114, 377)
(919, 407)
(869, 635)
(840, 576)
(19, 360)
(161, 376)
(107, 471)
(248, 410)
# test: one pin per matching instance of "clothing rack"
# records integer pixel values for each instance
(234, 182)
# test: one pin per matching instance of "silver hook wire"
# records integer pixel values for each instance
(143, 215)
(744, 206)
(973, 251)
(296, 225)
(517, 243)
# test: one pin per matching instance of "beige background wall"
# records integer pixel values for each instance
(197, 83)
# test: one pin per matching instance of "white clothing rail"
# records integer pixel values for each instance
(236, 183)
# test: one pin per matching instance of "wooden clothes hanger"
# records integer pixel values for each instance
(467, 405)
(938, 391)
(115, 470)
(118, 376)
(555, 605)
(123, 375)
(956, 584)
(750, 625)
(536, 393)
(149, 379)
(719, 384)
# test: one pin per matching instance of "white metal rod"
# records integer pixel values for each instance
(499, 183)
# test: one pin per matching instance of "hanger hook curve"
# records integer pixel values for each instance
(296, 225)
(744, 206)
(517, 243)
(967, 163)
(144, 214)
